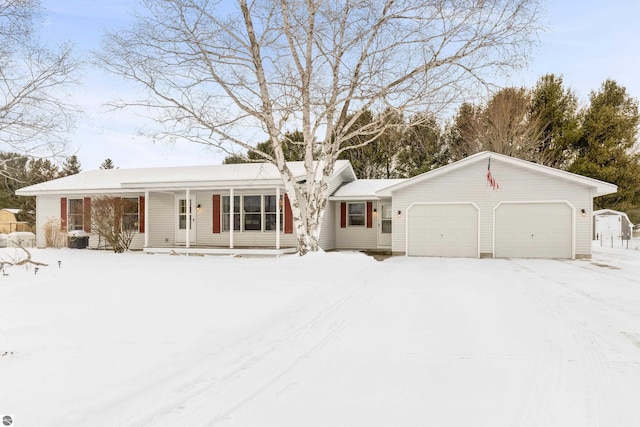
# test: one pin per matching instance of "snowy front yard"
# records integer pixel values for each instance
(334, 339)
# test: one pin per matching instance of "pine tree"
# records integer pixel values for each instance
(422, 146)
(71, 166)
(605, 149)
(557, 109)
(107, 164)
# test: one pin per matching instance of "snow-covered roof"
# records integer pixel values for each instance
(363, 189)
(612, 212)
(207, 176)
(12, 210)
(600, 187)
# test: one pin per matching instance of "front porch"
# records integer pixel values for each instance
(219, 250)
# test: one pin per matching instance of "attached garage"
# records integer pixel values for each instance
(489, 205)
(534, 230)
(443, 229)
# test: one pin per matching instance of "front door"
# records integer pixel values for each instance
(185, 218)
(384, 225)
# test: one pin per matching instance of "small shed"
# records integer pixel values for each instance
(9, 222)
(611, 226)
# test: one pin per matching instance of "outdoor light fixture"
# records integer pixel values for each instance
(198, 207)
(584, 212)
(399, 214)
(375, 211)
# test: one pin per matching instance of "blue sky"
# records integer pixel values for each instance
(586, 42)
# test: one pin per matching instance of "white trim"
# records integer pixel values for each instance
(178, 237)
(355, 198)
(188, 213)
(614, 212)
(406, 222)
(378, 219)
(364, 214)
(538, 202)
(278, 217)
(232, 216)
(146, 218)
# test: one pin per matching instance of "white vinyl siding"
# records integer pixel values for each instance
(469, 184)
(331, 218)
(355, 237)
(161, 223)
(48, 209)
(252, 238)
(327, 232)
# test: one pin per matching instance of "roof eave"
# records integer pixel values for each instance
(352, 198)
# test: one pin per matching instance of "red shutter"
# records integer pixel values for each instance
(369, 214)
(343, 215)
(141, 214)
(216, 213)
(63, 214)
(288, 216)
(86, 206)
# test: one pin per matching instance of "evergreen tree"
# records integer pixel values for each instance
(461, 135)
(13, 175)
(422, 146)
(605, 148)
(373, 153)
(557, 109)
(107, 164)
(292, 148)
(37, 171)
(71, 166)
(234, 159)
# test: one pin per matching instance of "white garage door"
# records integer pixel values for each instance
(447, 230)
(534, 230)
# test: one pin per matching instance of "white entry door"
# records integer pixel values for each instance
(185, 219)
(384, 225)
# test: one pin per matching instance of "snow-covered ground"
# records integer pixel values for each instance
(330, 339)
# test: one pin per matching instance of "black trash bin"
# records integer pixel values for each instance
(78, 240)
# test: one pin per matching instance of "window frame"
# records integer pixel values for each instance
(73, 216)
(129, 201)
(265, 219)
(351, 216)
(226, 214)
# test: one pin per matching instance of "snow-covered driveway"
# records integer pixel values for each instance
(326, 340)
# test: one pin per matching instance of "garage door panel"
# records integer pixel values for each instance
(534, 230)
(447, 230)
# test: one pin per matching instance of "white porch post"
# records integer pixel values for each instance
(146, 218)
(277, 217)
(188, 217)
(232, 217)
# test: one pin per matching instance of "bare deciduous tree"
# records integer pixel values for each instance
(109, 221)
(221, 73)
(35, 113)
(506, 125)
